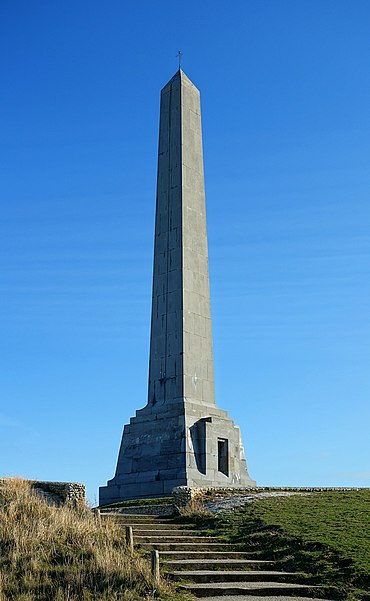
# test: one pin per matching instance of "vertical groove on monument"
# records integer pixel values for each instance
(166, 340)
(181, 437)
(197, 325)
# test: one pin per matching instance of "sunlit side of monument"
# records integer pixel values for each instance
(181, 437)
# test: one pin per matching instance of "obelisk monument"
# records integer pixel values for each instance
(181, 437)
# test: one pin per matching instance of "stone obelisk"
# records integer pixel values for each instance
(181, 437)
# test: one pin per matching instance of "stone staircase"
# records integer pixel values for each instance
(208, 567)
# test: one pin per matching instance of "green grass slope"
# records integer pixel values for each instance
(340, 520)
(139, 503)
(324, 534)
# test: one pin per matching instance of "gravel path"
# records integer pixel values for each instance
(227, 503)
(253, 598)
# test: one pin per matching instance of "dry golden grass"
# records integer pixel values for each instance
(65, 554)
(194, 509)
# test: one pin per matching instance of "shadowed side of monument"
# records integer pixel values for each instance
(181, 437)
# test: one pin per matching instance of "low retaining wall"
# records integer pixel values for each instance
(58, 493)
(142, 510)
(185, 494)
(61, 493)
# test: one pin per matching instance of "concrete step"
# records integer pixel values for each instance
(221, 589)
(163, 532)
(175, 539)
(222, 556)
(160, 526)
(153, 525)
(253, 597)
(139, 518)
(232, 576)
(212, 564)
(182, 546)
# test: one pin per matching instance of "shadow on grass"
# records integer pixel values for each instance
(315, 563)
(336, 574)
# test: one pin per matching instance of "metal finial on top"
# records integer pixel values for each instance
(179, 55)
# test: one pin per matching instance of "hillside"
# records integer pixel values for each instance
(325, 534)
(63, 553)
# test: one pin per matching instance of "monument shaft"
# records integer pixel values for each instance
(181, 360)
(180, 437)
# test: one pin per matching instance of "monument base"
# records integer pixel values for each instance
(180, 443)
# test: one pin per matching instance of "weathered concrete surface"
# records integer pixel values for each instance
(181, 360)
(181, 437)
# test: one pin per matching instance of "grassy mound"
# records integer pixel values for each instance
(325, 535)
(65, 554)
(339, 520)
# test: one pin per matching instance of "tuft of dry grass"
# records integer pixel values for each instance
(65, 554)
(195, 509)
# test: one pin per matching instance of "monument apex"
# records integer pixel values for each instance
(180, 437)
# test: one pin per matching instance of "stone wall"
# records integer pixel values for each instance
(58, 493)
(61, 493)
(165, 510)
(185, 494)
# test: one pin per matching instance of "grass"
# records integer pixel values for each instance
(325, 535)
(339, 520)
(65, 554)
(140, 502)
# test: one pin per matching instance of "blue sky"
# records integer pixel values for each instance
(286, 122)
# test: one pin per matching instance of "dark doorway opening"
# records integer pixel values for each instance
(223, 456)
(198, 438)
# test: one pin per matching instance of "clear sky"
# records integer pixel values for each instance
(286, 122)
